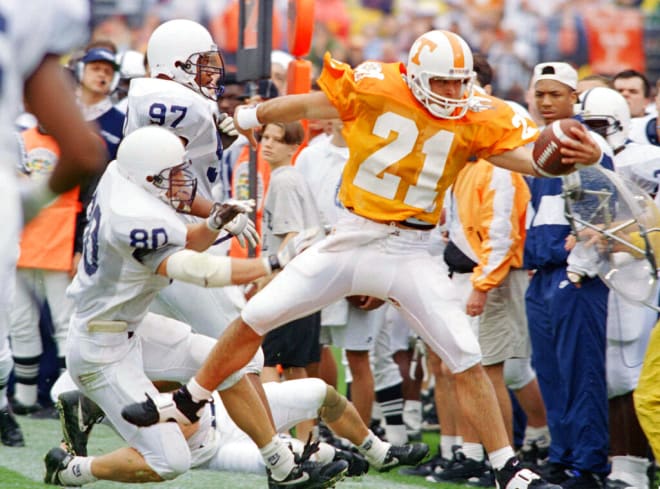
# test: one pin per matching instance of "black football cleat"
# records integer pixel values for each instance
(56, 460)
(514, 476)
(311, 475)
(10, 432)
(78, 415)
(398, 455)
(357, 464)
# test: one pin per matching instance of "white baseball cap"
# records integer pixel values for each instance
(558, 71)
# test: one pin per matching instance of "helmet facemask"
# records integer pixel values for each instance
(608, 127)
(176, 185)
(438, 105)
(202, 74)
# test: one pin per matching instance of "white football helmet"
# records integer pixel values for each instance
(445, 55)
(154, 159)
(184, 51)
(606, 112)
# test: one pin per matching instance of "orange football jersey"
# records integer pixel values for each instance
(403, 159)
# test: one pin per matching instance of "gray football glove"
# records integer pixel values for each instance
(222, 214)
(243, 228)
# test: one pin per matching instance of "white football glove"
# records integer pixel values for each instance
(222, 214)
(226, 125)
(294, 247)
(243, 228)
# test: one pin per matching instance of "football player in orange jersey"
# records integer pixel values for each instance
(410, 129)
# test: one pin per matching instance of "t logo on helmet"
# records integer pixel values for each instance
(423, 42)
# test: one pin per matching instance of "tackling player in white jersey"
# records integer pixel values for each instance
(33, 35)
(135, 244)
(181, 95)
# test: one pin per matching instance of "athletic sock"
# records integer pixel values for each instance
(374, 449)
(78, 472)
(447, 444)
(278, 458)
(499, 458)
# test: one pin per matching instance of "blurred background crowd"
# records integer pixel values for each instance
(596, 36)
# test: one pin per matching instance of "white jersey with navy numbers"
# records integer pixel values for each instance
(643, 129)
(187, 114)
(640, 163)
(130, 232)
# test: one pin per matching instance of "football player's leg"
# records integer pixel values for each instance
(10, 432)
(61, 308)
(434, 311)
(25, 340)
(308, 283)
(163, 447)
(388, 380)
(207, 311)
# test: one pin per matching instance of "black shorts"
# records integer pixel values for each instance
(295, 344)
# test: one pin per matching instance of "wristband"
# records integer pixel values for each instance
(246, 118)
(272, 263)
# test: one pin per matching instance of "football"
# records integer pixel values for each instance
(547, 148)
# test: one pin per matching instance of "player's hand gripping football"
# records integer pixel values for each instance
(581, 148)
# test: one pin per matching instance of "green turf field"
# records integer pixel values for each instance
(22, 468)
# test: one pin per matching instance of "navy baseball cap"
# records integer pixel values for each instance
(100, 54)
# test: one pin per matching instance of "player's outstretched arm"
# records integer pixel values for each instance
(288, 108)
(208, 270)
(518, 159)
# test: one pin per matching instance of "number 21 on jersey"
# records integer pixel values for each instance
(435, 150)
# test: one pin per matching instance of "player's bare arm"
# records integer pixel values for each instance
(209, 270)
(518, 159)
(288, 108)
(49, 95)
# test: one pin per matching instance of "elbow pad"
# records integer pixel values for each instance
(199, 268)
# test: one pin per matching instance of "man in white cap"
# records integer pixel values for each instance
(566, 311)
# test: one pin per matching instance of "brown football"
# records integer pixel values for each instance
(547, 148)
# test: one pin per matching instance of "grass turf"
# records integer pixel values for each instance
(23, 468)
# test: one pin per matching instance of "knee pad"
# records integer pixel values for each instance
(165, 450)
(518, 372)
(333, 406)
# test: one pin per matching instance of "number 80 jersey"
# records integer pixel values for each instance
(403, 159)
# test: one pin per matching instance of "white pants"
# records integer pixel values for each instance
(629, 326)
(114, 370)
(11, 215)
(207, 311)
(291, 402)
(363, 257)
(33, 288)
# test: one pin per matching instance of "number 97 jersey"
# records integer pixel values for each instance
(153, 101)
(402, 158)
